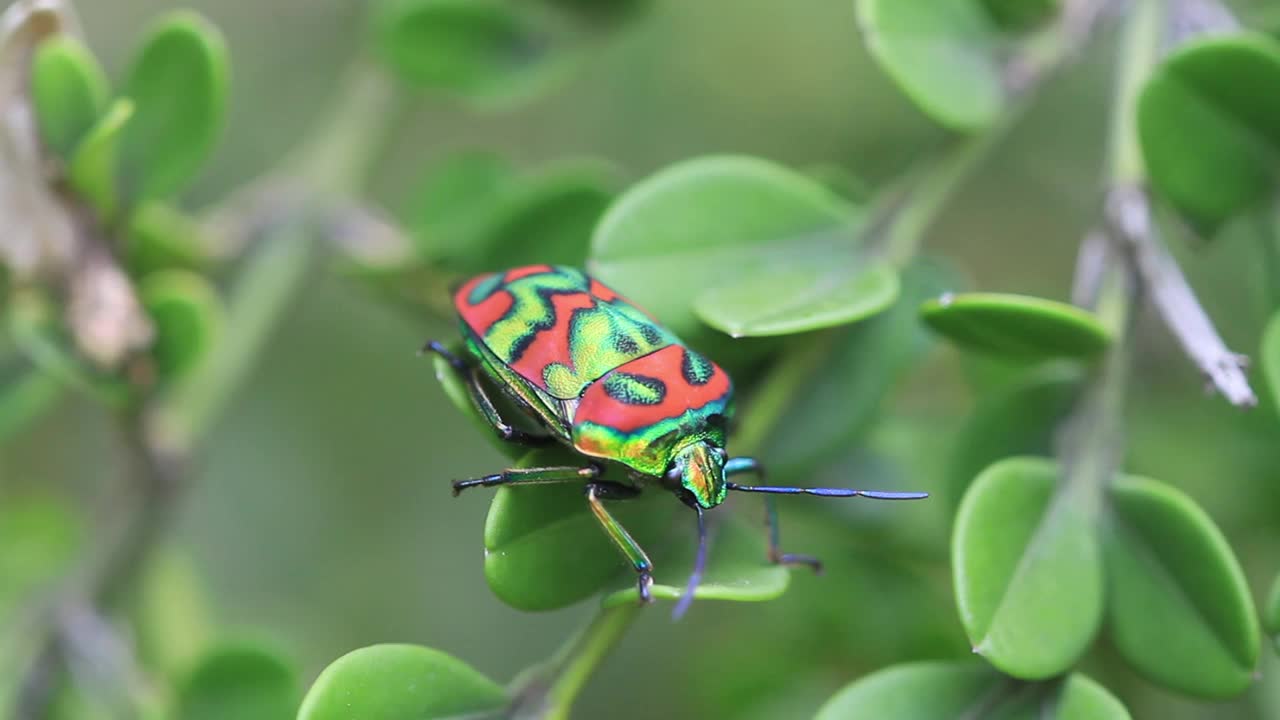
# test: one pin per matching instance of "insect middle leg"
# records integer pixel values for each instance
(531, 476)
(621, 538)
(748, 465)
(466, 374)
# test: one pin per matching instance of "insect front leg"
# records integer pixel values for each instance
(621, 538)
(748, 465)
(466, 374)
(531, 476)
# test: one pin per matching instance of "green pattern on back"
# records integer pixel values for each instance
(563, 331)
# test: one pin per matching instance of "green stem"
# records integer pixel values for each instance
(1140, 50)
(573, 665)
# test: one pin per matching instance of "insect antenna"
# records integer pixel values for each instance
(829, 492)
(699, 563)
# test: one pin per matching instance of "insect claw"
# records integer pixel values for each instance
(646, 582)
(792, 559)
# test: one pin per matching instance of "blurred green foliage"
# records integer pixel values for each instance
(319, 512)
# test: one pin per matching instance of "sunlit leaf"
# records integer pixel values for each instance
(161, 237)
(1028, 569)
(1179, 609)
(702, 233)
(1016, 326)
(397, 682)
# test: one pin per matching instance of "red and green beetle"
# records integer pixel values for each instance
(600, 375)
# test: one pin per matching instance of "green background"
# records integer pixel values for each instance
(321, 520)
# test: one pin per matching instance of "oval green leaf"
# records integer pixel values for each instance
(545, 550)
(484, 50)
(787, 301)
(395, 682)
(1028, 569)
(720, 224)
(69, 91)
(1217, 90)
(1179, 609)
(188, 317)
(92, 168)
(178, 83)
(1016, 326)
(1020, 418)
(245, 682)
(173, 624)
(942, 53)
(948, 690)
(738, 569)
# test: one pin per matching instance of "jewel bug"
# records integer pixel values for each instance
(594, 372)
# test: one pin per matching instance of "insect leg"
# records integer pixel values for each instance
(744, 465)
(619, 535)
(467, 376)
(531, 476)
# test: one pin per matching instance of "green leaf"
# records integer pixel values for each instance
(703, 232)
(942, 53)
(1179, 609)
(860, 364)
(178, 83)
(188, 317)
(69, 90)
(1028, 569)
(484, 50)
(161, 237)
(245, 682)
(949, 690)
(1016, 326)
(1218, 91)
(92, 168)
(1020, 15)
(1271, 614)
(787, 301)
(1020, 418)
(545, 550)
(737, 569)
(396, 682)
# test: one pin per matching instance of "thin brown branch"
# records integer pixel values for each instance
(1129, 214)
